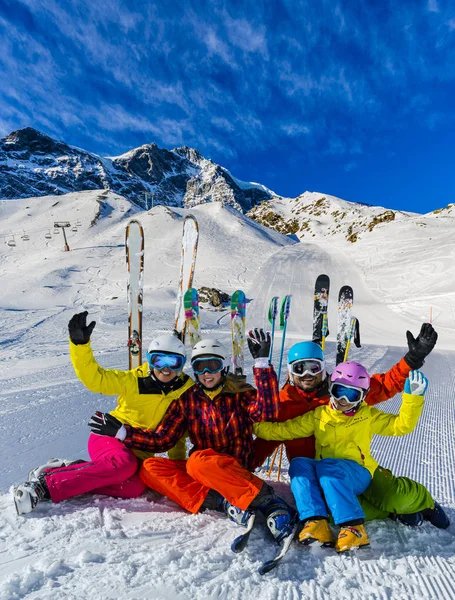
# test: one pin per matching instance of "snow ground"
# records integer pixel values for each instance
(98, 547)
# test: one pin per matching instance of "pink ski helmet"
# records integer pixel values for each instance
(351, 373)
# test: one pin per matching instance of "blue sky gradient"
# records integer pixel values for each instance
(354, 99)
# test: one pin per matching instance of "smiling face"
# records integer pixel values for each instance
(307, 383)
(210, 380)
(164, 375)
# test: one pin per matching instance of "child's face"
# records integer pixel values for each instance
(343, 405)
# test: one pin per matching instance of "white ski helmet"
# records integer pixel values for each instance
(167, 343)
(210, 347)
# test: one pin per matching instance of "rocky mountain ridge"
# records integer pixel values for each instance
(33, 164)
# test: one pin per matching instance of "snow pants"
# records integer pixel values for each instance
(187, 482)
(112, 471)
(388, 494)
(331, 482)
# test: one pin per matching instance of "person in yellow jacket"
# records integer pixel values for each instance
(343, 467)
(144, 395)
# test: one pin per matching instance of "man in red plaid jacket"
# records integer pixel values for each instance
(218, 414)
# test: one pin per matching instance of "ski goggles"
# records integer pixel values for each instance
(307, 366)
(350, 394)
(207, 365)
(161, 360)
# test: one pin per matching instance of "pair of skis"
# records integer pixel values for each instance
(134, 245)
(347, 325)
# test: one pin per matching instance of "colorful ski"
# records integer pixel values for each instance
(345, 301)
(192, 317)
(354, 336)
(190, 239)
(321, 302)
(273, 312)
(134, 245)
(284, 316)
(238, 320)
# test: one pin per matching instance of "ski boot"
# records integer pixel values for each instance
(28, 494)
(350, 537)
(317, 530)
(52, 463)
(281, 518)
(411, 520)
(436, 516)
(239, 516)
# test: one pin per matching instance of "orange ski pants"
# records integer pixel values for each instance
(187, 482)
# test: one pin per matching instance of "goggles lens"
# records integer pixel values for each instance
(352, 395)
(210, 365)
(159, 361)
(311, 366)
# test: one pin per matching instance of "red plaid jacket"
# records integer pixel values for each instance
(224, 424)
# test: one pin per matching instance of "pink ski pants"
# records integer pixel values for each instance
(112, 471)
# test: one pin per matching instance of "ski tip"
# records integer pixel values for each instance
(267, 567)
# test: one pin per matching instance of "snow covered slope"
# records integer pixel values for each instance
(97, 547)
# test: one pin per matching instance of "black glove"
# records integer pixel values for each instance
(259, 343)
(78, 329)
(104, 424)
(420, 347)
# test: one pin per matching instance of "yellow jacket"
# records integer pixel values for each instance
(340, 436)
(139, 403)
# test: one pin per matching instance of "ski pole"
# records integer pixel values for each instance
(324, 331)
(351, 335)
(273, 311)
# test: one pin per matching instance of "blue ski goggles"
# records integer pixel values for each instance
(162, 360)
(352, 395)
(207, 365)
(307, 366)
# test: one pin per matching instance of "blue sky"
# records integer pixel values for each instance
(354, 99)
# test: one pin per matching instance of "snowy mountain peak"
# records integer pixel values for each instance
(34, 164)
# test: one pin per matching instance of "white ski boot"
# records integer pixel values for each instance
(28, 494)
(52, 463)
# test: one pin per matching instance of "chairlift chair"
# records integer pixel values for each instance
(74, 229)
(48, 235)
(25, 237)
(56, 231)
(11, 242)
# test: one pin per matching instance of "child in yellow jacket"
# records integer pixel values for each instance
(343, 467)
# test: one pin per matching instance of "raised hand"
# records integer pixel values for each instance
(78, 329)
(420, 347)
(259, 342)
(416, 383)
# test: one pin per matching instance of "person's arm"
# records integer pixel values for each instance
(411, 408)
(264, 405)
(384, 386)
(291, 429)
(94, 377)
(163, 438)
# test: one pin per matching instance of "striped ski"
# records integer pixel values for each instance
(134, 246)
(320, 306)
(238, 320)
(190, 239)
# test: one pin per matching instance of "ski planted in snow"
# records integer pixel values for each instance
(285, 545)
(190, 239)
(192, 317)
(345, 301)
(134, 245)
(273, 312)
(238, 320)
(240, 542)
(284, 316)
(321, 303)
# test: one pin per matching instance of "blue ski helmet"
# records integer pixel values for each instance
(304, 350)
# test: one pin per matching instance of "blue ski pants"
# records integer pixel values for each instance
(337, 480)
